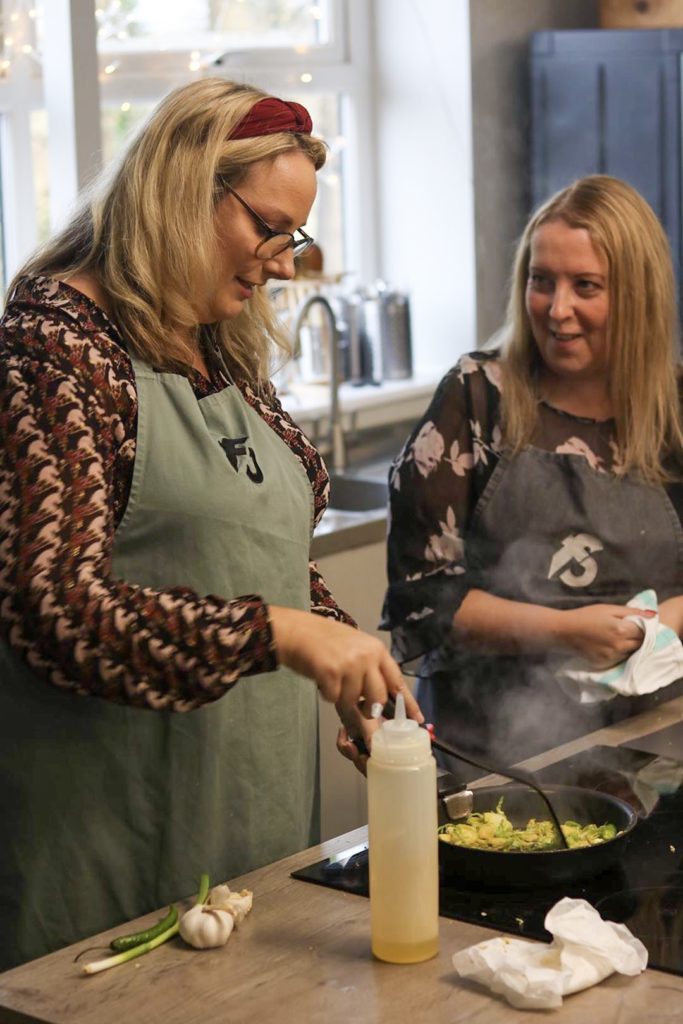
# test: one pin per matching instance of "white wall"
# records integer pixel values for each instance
(425, 219)
(500, 31)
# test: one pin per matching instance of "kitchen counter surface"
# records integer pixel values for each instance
(369, 405)
(303, 955)
(343, 531)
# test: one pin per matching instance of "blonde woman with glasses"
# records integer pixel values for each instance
(164, 635)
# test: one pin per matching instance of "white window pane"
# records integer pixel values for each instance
(19, 32)
(130, 26)
(3, 259)
(41, 183)
(119, 124)
(325, 221)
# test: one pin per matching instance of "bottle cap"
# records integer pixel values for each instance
(401, 740)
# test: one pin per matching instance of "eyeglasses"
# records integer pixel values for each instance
(274, 242)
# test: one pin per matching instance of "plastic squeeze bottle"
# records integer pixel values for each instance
(403, 842)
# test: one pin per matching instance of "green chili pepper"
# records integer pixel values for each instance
(137, 938)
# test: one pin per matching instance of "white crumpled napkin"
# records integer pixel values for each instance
(530, 975)
(657, 662)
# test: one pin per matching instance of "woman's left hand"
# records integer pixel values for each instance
(354, 738)
(671, 614)
(348, 748)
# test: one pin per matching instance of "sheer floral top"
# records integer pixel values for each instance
(435, 484)
(68, 416)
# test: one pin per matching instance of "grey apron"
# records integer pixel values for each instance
(109, 811)
(548, 530)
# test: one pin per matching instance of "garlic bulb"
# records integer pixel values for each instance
(205, 927)
(238, 904)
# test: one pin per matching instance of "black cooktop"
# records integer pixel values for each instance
(644, 891)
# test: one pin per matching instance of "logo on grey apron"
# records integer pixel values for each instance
(236, 450)
(573, 564)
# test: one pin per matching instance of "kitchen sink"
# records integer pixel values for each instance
(354, 494)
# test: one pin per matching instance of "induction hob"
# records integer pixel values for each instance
(644, 891)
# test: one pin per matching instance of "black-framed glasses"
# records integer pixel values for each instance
(275, 242)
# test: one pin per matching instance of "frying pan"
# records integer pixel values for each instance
(510, 869)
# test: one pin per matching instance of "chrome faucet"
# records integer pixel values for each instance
(336, 429)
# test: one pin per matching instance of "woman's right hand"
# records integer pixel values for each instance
(603, 634)
(349, 667)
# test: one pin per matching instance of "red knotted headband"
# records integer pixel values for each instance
(272, 115)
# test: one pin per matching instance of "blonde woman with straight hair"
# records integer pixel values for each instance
(163, 635)
(642, 335)
(542, 490)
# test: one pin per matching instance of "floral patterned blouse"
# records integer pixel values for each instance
(68, 418)
(435, 483)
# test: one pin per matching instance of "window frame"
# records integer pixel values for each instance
(19, 96)
(162, 64)
(342, 67)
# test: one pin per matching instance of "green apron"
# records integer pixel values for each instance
(108, 812)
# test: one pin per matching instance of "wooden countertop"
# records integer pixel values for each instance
(303, 955)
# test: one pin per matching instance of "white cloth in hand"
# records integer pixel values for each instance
(531, 975)
(657, 662)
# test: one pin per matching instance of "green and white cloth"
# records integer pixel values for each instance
(657, 662)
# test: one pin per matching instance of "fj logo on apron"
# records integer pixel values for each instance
(573, 564)
(236, 450)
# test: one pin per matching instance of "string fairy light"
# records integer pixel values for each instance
(21, 26)
(18, 33)
(118, 24)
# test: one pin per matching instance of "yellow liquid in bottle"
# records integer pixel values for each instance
(404, 891)
(399, 953)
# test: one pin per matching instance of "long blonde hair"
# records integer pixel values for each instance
(145, 229)
(642, 328)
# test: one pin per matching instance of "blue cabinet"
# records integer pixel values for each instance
(609, 102)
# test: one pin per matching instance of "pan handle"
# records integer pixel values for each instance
(454, 797)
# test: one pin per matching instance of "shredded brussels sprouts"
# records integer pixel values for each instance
(493, 830)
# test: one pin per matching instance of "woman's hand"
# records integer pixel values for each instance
(601, 633)
(671, 614)
(351, 669)
(349, 749)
